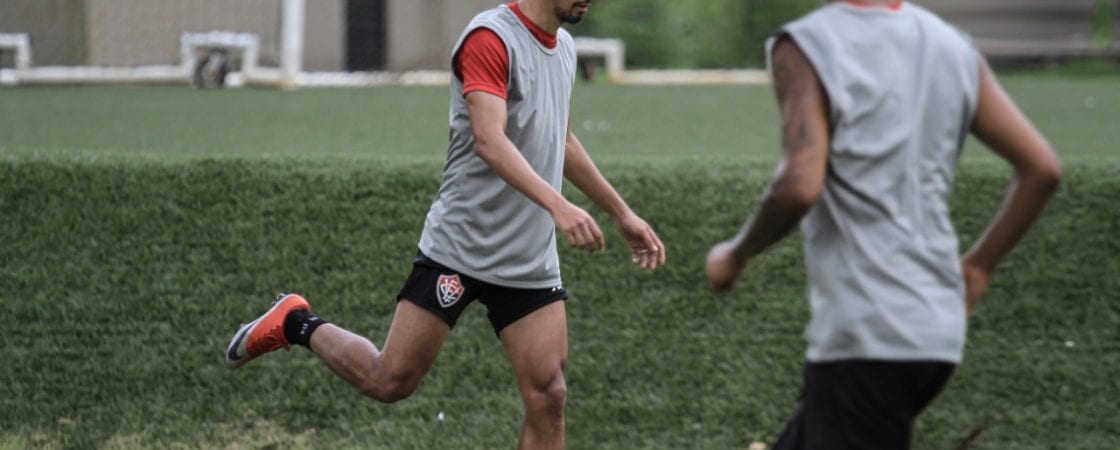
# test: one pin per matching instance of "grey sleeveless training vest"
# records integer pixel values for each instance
(478, 224)
(882, 255)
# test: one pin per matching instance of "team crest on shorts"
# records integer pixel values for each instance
(449, 289)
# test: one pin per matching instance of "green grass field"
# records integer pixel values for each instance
(623, 124)
(140, 225)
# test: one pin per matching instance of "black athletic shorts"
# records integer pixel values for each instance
(446, 293)
(862, 404)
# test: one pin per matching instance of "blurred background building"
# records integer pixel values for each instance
(409, 35)
(339, 35)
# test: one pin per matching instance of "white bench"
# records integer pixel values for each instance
(20, 44)
(613, 52)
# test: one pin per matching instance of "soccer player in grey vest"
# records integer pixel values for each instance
(491, 232)
(876, 99)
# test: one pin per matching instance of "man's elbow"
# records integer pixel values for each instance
(796, 197)
(484, 147)
(1052, 175)
(1047, 174)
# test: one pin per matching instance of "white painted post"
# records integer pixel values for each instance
(291, 53)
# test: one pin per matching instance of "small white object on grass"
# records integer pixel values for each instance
(440, 417)
(1069, 344)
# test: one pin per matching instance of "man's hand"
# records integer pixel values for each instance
(976, 281)
(723, 268)
(578, 227)
(646, 249)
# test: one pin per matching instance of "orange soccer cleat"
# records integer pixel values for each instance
(264, 334)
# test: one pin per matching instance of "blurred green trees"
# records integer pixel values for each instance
(727, 33)
(692, 33)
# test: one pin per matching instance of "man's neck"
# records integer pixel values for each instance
(540, 13)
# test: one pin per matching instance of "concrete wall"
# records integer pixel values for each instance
(422, 32)
(56, 27)
(146, 32)
(324, 38)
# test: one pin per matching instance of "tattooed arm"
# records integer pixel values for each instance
(800, 175)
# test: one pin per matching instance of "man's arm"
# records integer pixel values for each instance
(1004, 129)
(645, 246)
(800, 175)
(488, 123)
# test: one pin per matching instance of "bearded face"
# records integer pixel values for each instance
(571, 11)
